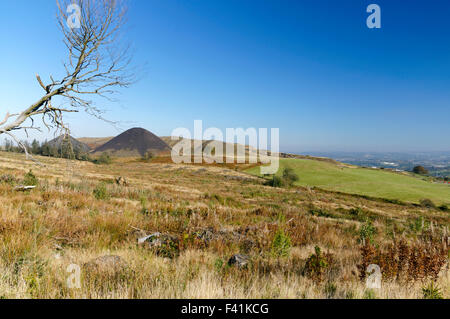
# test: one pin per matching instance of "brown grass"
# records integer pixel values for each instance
(214, 212)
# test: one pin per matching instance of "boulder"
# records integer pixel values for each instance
(239, 260)
(121, 181)
(164, 245)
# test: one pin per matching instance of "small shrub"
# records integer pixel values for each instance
(417, 225)
(275, 181)
(444, 208)
(289, 176)
(219, 263)
(147, 157)
(358, 214)
(281, 244)
(427, 203)
(330, 290)
(370, 294)
(317, 264)
(103, 159)
(164, 245)
(420, 170)
(432, 291)
(367, 231)
(101, 192)
(30, 179)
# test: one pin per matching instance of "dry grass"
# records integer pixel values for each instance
(78, 213)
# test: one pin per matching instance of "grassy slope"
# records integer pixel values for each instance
(362, 181)
(64, 221)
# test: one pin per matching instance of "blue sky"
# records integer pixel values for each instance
(311, 68)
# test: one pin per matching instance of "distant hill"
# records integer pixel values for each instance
(65, 142)
(134, 142)
(94, 142)
(205, 143)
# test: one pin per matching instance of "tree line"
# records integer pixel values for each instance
(64, 150)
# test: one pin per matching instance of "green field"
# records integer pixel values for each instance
(363, 181)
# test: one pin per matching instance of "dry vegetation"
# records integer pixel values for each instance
(301, 243)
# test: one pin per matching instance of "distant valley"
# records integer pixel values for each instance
(438, 163)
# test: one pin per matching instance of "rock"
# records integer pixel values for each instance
(164, 245)
(121, 181)
(206, 234)
(138, 233)
(24, 188)
(106, 264)
(239, 260)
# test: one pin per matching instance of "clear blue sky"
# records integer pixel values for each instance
(311, 68)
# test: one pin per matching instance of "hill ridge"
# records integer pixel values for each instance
(134, 142)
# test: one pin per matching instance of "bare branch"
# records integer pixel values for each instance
(97, 65)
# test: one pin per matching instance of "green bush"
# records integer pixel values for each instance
(275, 181)
(287, 178)
(427, 203)
(370, 294)
(148, 156)
(420, 170)
(317, 264)
(330, 289)
(281, 244)
(432, 291)
(367, 231)
(101, 192)
(30, 179)
(103, 159)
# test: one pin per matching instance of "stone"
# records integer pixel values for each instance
(121, 181)
(239, 260)
(164, 245)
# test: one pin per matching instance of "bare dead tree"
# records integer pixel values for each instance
(97, 65)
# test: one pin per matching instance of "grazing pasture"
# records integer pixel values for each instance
(365, 181)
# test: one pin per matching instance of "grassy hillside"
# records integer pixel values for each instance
(363, 181)
(79, 215)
